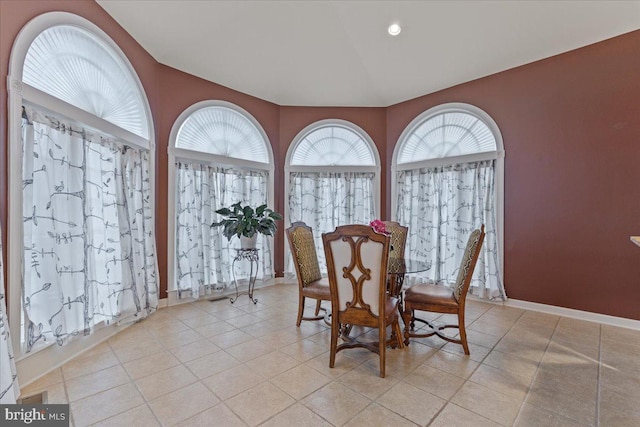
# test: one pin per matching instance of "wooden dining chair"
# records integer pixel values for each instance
(357, 263)
(442, 299)
(311, 284)
(398, 234)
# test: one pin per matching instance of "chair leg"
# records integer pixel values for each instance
(406, 318)
(382, 346)
(318, 302)
(300, 309)
(399, 337)
(463, 332)
(335, 331)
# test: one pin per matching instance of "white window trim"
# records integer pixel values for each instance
(288, 167)
(207, 158)
(498, 155)
(20, 93)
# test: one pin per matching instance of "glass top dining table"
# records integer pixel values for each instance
(397, 268)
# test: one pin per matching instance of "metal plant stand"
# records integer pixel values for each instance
(250, 255)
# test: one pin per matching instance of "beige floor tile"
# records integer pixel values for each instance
(300, 381)
(458, 365)
(95, 382)
(249, 350)
(296, 415)
(569, 363)
(230, 338)
(185, 311)
(195, 350)
(501, 381)
(233, 381)
(455, 416)
(88, 364)
(218, 415)
(200, 320)
(260, 403)
(342, 365)
(304, 350)
(215, 329)
(477, 352)
(572, 397)
(105, 404)
(179, 339)
(511, 363)
(271, 364)
(140, 416)
(482, 339)
(211, 364)
(402, 362)
(376, 415)
(367, 382)
(336, 403)
(490, 404)
(138, 350)
(148, 365)
(489, 326)
(412, 403)
(183, 404)
(533, 416)
(281, 338)
(166, 326)
(614, 334)
(434, 381)
(163, 382)
(609, 417)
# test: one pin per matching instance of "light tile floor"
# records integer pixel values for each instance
(214, 363)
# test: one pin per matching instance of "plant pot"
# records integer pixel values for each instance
(248, 242)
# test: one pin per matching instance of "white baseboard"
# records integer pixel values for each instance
(575, 314)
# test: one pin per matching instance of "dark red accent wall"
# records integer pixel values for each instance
(571, 128)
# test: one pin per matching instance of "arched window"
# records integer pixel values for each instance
(333, 178)
(448, 180)
(81, 177)
(219, 155)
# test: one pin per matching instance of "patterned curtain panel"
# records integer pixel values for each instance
(441, 206)
(204, 256)
(9, 389)
(89, 256)
(326, 200)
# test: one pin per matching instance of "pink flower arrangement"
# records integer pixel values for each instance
(378, 226)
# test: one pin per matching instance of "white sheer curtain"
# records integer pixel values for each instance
(9, 388)
(89, 255)
(204, 256)
(441, 206)
(325, 200)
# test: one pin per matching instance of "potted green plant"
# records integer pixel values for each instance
(246, 222)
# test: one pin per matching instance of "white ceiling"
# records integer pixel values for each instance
(338, 53)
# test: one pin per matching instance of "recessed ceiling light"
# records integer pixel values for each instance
(394, 29)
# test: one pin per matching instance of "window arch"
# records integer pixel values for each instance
(332, 175)
(218, 155)
(81, 168)
(447, 179)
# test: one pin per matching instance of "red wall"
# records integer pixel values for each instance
(571, 129)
